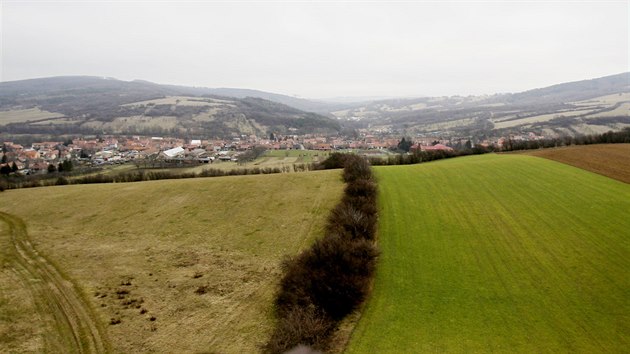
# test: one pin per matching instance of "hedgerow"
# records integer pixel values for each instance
(331, 279)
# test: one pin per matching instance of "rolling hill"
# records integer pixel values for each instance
(92, 105)
(582, 107)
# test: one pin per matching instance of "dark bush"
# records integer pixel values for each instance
(364, 205)
(301, 325)
(356, 167)
(62, 181)
(340, 271)
(333, 275)
(350, 222)
(294, 285)
(361, 188)
(328, 281)
(335, 160)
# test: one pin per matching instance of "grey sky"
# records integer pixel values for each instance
(320, 49)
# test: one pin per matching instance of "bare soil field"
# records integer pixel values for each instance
(611, 160)
(163, 266)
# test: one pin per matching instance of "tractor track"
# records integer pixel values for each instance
(71, 326)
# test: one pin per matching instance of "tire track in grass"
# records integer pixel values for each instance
(72, 327)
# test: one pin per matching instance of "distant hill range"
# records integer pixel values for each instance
(96, 105)
(581, 107)
(89, 105)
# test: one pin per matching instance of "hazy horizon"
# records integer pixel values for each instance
(320, 50)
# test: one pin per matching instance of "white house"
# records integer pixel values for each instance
(174, 152)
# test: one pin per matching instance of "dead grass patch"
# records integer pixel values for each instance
(134, 248)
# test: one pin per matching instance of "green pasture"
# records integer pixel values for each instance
(499, 253)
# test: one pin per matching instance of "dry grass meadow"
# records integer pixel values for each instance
(166, 266)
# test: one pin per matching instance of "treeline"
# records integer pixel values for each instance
(610, 137)
(139, 176)
(415, 157)
(331, 279)
(426, 156)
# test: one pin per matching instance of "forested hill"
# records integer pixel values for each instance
(83, 104)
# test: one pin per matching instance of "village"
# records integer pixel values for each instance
(48, 156)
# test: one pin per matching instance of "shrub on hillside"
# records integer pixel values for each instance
(333, 276)
(294, 285)
(301, 325)
(356, 167)
(328, 281)
(340, 271)
(352, 222)
(361, 188)
(61, 181)
(335, 160)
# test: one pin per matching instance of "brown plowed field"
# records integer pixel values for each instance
(611, 160)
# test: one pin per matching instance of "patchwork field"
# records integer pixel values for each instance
(500, 124)
(612, 160)
(499, 253)
(25, 115)
(163, 266)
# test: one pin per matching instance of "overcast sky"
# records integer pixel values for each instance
(320, 49)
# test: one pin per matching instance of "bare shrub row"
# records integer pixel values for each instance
(37, 181)
(332, 278)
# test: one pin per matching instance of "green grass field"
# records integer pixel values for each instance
(499, 253)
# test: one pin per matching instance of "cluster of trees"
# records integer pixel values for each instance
(6, 169)
(405, 144)
(329, 280)
(64, 166)
(251, 155)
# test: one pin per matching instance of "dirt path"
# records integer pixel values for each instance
(70, 325)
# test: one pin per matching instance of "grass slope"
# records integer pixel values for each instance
(162, 241)
(499, 253)
(612, 160)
